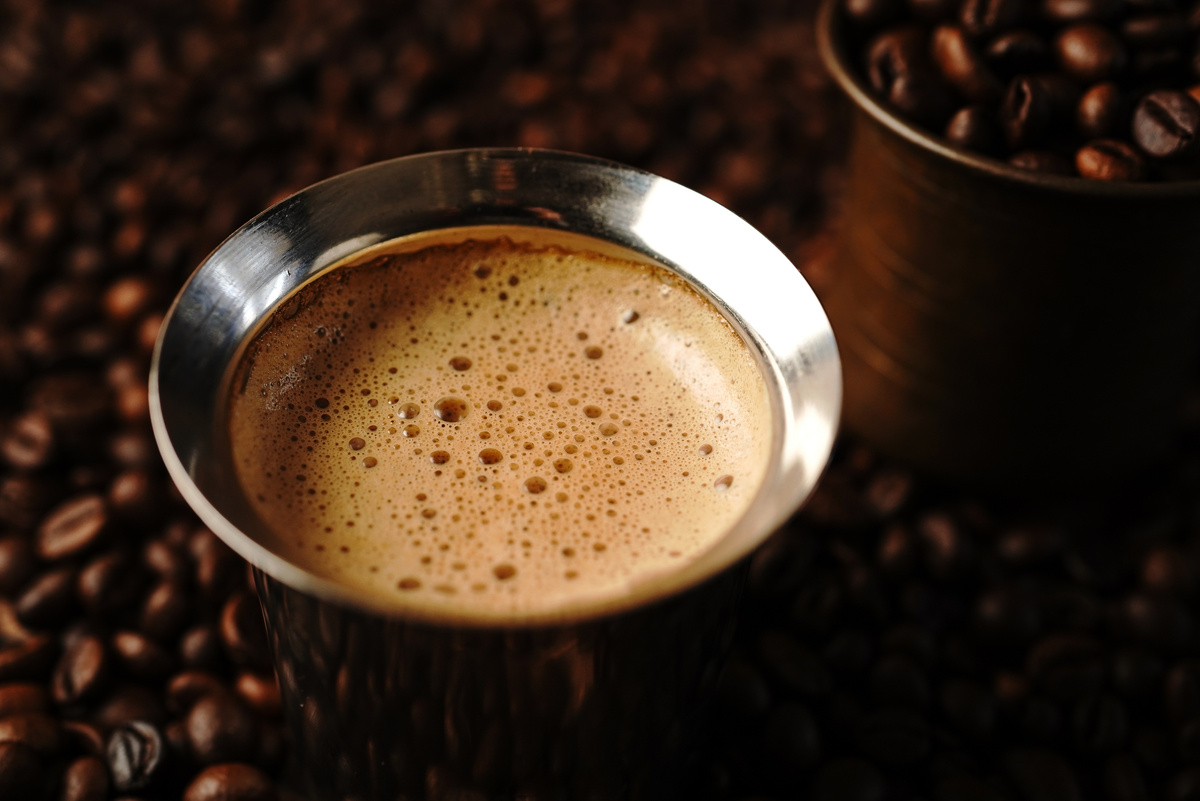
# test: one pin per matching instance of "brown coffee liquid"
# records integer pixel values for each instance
(492, 429)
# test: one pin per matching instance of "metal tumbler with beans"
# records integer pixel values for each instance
(1107, 90)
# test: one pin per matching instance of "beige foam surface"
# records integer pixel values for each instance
(492, 429)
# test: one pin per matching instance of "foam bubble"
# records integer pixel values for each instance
(584, 427)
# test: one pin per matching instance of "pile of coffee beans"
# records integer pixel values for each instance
(902, 641)
(1103, 89)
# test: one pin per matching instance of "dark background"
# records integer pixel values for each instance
(902, 640)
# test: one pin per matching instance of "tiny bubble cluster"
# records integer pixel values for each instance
(495, 428)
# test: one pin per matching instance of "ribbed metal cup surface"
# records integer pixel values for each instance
(1018, 332)
(387, 700)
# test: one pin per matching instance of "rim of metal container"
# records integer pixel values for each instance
(831, 46)
(782, 324)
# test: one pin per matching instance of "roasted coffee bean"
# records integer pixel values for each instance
(894, 736)
(126, 299)
(981, 18)
(85, 779)
(200, 647)
(82, 671)
(231, 782)
(791, 740)
(109, 582)
(1155, 620)
(221, 729)
(1067, 666)
(897, 680)
(1100, 112)
(1109, 160)
(83, 738)
(20, 771)
(165, 611)
(742, 693)
(1008, 616)
(1089, 53)
(29, 442)
(218, 569)
(128, 703)
(188, 687)
(849, 651)
(1166, 125)
(796, 668)
(17, 564)
(165, 560)
(72, 528)
(243, 632)
(16, 698)
(848, 780)
(1181, 690)
(970, 708)
(1025, 114)
(1123, 780)
(1155, 30)
(962, 65)
(1184, 786)
(1068, 11)
(933, 10)
(1100, 724)
(1041, 161)
(1167, 569)
(28, 659)
(899, 71)
(1042, 776)
(1016, 52)
(133, 496)
(873, 12)
(142, 657)
(40, 732)
(48, 600)
(1136, 673)
(1187, 741)
(136, 755)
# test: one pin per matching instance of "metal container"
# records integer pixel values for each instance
(385, 700)
(999, 328)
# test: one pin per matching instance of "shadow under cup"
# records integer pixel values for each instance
(387, 701)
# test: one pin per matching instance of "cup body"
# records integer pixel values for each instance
(1005, 329)
(387, 701)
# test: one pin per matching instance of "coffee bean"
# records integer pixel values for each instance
(1181, 690)
(129, 703)
(1166, 125)
(243, 632)
(898, 70)
(1025, 113)
(221, 729)
(1041, 776)
(16, 698)
(1167, 569)
(83, 738)
(1041, 161)
(72, 528)
(29, 442)
(1184, 786)
(1136, 673)
(1089, 53)
(1155, 30)
(85, 779)
(1100, 111)
(894, 736)
(742, 693)
(933, 10)
(848, 780)
(1068, 11)
(231, 782)
(200, 647)
(126, 299)
(38, 731)
(896, 680)
(109, 582)
(136, 755)
(142, 657)
(968, 707)
(791, 741)
(1123, 780)
(1155, 620)
(82, 671)
(133, 496)
(1187, 741)
(165, 560)
(848, 652)
(872, 12)
(1016, 52)
(17, 564)
(165, 611)
(1100, 724)
(20, 771)
(981, 18)
(217, 567)
(188, 687)
(1066, 666)
(48, 600)
(962, 65)
(27, 659)
(1109, 160)
(792, 665)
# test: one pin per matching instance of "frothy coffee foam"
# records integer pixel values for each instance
(493, 429)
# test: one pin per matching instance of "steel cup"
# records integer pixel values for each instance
(388, 702)
(1020, 332)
